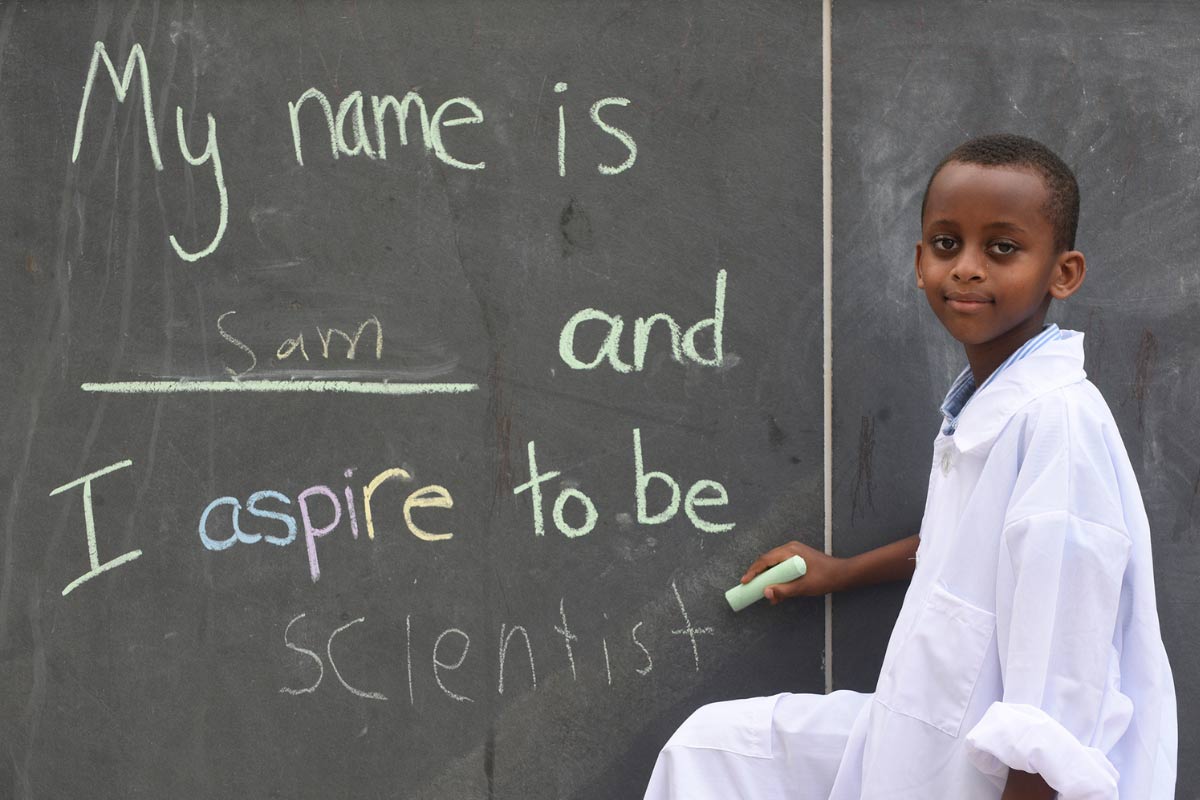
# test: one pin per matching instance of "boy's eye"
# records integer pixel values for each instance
(943, 243)
(1004, 248)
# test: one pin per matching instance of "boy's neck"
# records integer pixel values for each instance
(985, 358)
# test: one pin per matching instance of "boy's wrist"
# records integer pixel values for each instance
(849, 574)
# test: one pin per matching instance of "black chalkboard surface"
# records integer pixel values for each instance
(286, 367)
(392, 389)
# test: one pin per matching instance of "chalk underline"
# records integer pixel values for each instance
(266, 386)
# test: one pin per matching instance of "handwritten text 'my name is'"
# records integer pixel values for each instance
(349, 134)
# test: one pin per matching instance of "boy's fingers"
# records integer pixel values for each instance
(778, 592)
(765, 562)
(757, 568)
(752, 570)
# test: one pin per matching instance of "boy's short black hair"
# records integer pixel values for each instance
(1010, 150)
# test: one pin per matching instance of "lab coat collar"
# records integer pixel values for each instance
(1054, 365)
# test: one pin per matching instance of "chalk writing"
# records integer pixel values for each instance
(121, 86)
(408, 655)
(568, 637)
(559, 87)
(649, 661)
(305, 652)
(322, 386)
(347, 129)
(607, 664)
(291, 345)
(439, 664)
(504, 653)
(688, 629)
(427, 497)
(620, 135)
(239, 344)
(213, 154)
(351, 108)
(431, 496)
(337, 672)
(311, 534)
(612, 130)
(89, 524)
(534, 487)
(684, 345)
(642, 480)
(449, 652)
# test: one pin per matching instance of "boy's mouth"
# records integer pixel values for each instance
(967, 301)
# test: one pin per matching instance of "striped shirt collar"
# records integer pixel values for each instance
(964, 388)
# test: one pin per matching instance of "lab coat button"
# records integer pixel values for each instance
(947, 462)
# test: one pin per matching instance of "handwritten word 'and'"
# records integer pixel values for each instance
(350, 134)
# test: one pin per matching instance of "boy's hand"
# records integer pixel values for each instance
(825, 573)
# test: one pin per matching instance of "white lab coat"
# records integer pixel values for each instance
(1028, 637)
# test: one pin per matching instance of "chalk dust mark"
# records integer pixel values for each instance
(1144, 367)
(37, 691)
(685, 59)
(1096, 336)
(576, 228)
(537, 110)
(500, 410)
(862, 481)
(5, 31)
(489, 761)
(775, 434)
(352, 7)
(331, 76)
(1184, 520)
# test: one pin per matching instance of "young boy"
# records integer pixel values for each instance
(1027, 658)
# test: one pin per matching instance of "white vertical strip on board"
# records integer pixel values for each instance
(827, 290)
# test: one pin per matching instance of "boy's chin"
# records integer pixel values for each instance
(969, 338)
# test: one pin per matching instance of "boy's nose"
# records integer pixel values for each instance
(969, 266)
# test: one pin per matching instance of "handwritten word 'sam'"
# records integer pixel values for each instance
(348, 129)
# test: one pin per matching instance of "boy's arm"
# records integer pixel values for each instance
(1026, 786)
(891, 562)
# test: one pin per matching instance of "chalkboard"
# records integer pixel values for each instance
(1114, 88)
(338, 274)
(382, 324)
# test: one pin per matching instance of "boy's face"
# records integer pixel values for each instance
(987, 259)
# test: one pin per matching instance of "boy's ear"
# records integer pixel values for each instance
(1069, 272)
(917, 265)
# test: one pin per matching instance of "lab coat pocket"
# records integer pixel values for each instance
(938, 665)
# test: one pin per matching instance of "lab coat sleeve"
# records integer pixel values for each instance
(1059, 581)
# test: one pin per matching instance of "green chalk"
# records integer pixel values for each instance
(745, 594)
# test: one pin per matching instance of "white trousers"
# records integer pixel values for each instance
(785, 747)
